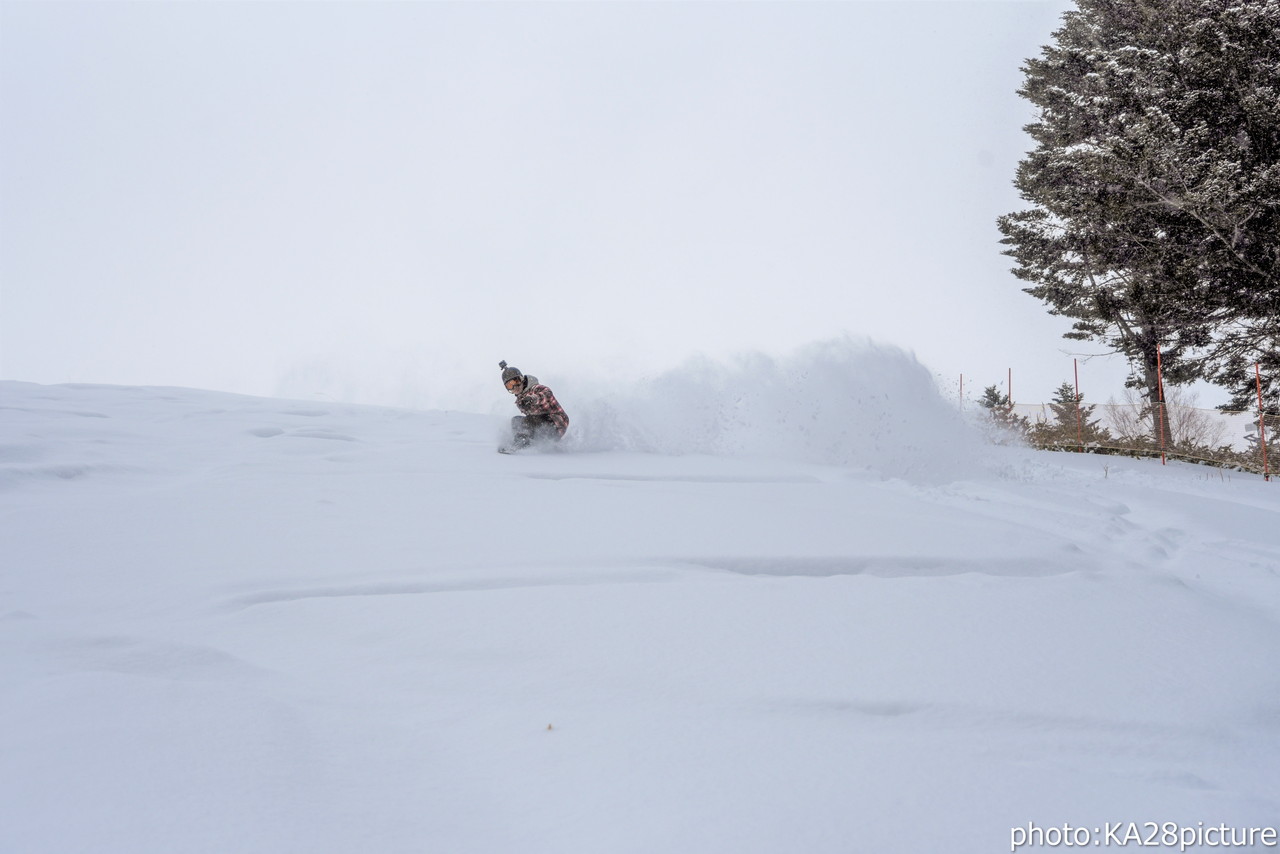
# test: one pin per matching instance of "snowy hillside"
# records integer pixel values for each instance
(246, 625)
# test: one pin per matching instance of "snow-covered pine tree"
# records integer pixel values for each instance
(993, 400)
(1000, 409)
(1155, 185)
(1073, 423)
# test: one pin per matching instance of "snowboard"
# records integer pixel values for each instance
(534, 447)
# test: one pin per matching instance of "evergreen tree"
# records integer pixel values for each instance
(1155, 184)
(1073, 422)
(1000, 409)
(993, 401)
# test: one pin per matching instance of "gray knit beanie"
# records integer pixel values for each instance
(509, 374)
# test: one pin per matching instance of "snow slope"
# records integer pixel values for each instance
(234, 624)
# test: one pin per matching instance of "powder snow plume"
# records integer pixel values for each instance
(843, 402)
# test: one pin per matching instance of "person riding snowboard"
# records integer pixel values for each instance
(544, 419)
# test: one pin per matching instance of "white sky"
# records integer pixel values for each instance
(380, 201)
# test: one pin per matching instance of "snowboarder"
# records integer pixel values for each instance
(544, 419)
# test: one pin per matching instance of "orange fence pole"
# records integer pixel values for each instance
(1262, 424)
(1079, 431)
(1160, 412)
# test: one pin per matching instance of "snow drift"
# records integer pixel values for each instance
(843, 402)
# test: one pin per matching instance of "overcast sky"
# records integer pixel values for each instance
(378, 201)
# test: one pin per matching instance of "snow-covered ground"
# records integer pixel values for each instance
(234, 624)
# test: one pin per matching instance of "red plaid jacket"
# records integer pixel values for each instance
(537, 399)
